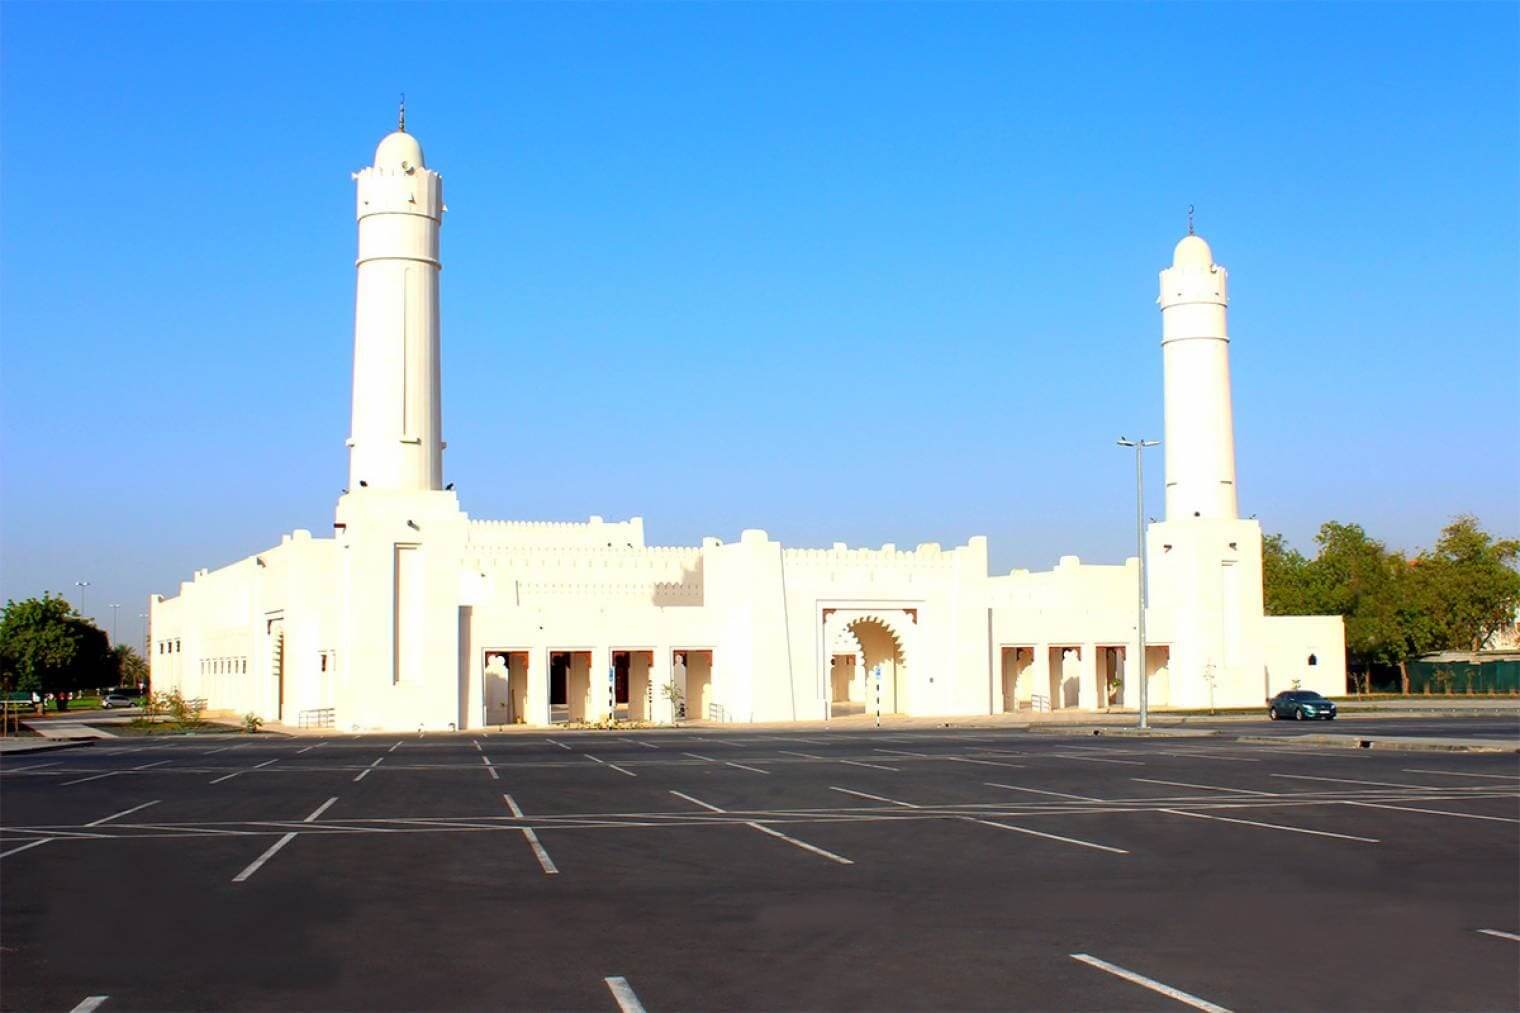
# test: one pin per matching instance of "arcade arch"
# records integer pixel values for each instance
(859, 643)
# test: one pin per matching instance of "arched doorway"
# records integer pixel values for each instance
(859, 644)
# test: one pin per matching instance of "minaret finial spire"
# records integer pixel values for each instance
(401, 116)
(1190, 216)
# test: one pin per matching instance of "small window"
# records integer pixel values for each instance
(1313, 661)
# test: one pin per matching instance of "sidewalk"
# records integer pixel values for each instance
(27, 744)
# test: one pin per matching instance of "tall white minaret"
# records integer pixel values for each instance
(1195, 347)
(396, 440)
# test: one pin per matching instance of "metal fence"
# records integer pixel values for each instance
(320, 717)
(1464, 676)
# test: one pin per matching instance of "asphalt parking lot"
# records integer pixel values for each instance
(937, 869)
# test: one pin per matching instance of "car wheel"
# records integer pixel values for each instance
(1298, 714)
(1272, 713)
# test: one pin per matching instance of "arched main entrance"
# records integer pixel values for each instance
(861, 643)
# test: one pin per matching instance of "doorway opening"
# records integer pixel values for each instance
(692, 673)
(569, 686)
(1018, 682)
(506, 687)
(884, 667)
(1065, 677)
(633, 689)
(1111, 676)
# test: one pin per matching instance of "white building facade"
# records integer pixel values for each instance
(414, 615)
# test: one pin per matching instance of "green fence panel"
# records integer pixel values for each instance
(1464, 677)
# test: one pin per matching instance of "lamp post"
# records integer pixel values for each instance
(115, 608)
(81, 584)
(1139, 447)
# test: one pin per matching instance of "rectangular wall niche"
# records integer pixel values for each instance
(407, 612)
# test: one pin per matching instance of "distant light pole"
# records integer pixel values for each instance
(81, 584)
(115, 608)
(1139, 447)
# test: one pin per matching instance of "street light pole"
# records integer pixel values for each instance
(1139, 447)
(81, 584)
(115, 608)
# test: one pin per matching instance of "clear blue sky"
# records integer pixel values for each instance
(858, 273)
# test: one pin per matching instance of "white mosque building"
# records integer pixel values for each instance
(413, 614)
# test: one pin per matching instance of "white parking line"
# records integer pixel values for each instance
(29, 844)
(490, 767)
(1097, 759)
(1042, 791)
(306, 750)
(695, 801)
(1053, 837)
(985, 763)
(620, 770)
(1501, 935)
(365, 772)
(874, 798)
(646, 745)
(1270, 826)
(476, 743)
(1433, 812)
(788, 752)
(903, 752)
(1207, 787)
(559, 744)
(1455, 773)
(550, 869)
(320, 810)
(258, 863)
(873, 766)
(698, 756)
(1348, 780)
(92, 1003)
(804, 845)
(226, 777)
(124, 812)
(393, 747)
(622, 994)
(1196, 754)
(37, 766)
(266, 763)
(93, 777)
(1178, 994)
(742, 766)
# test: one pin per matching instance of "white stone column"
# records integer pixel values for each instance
(660, 676)
(1039, 676)
(1087, 678)
(537, 704)
(601, 691)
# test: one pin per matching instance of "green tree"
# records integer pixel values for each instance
(47, 647)
(1285, 577)
(130, 666)
(1453, 597)
(1473, 577)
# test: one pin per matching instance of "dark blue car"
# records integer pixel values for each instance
(1300, 705)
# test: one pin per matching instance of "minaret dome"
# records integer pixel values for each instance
(399, 152)
(1193, 252)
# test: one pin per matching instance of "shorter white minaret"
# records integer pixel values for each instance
(1195, 345)
(396, 440)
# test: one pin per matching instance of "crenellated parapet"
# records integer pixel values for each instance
(926, 555)
(588, 534)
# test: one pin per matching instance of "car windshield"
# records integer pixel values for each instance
(1305, 696)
